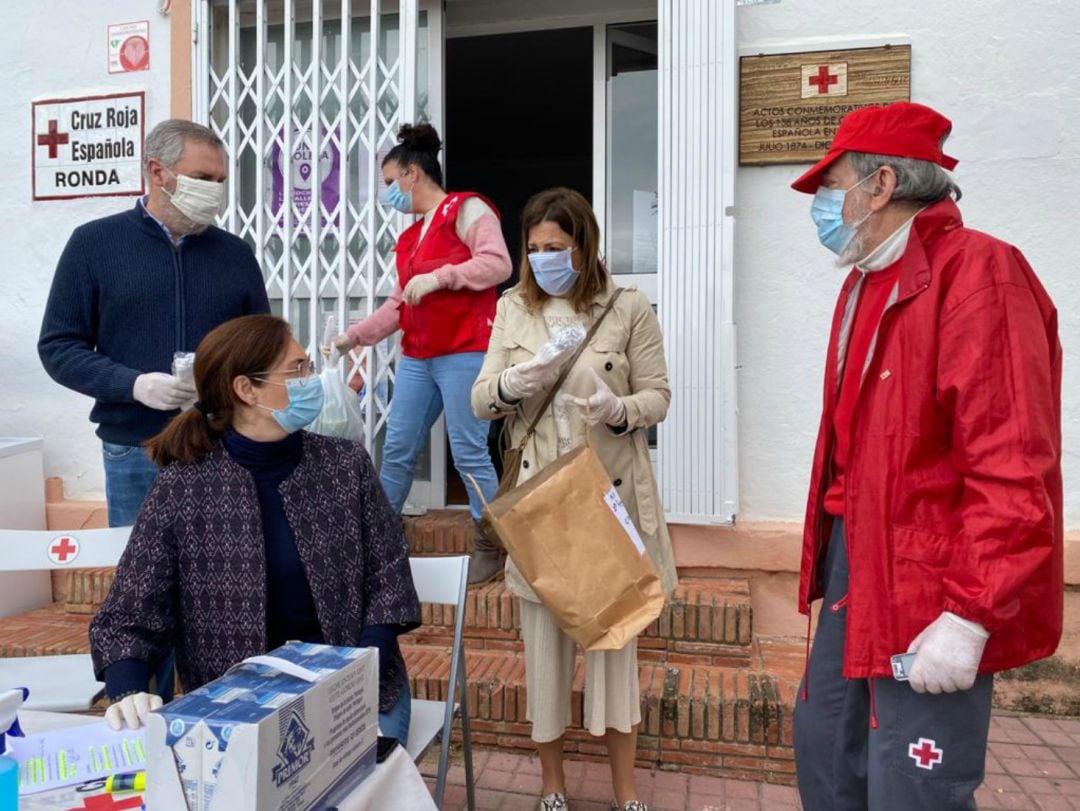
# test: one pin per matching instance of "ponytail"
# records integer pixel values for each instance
(187, 438)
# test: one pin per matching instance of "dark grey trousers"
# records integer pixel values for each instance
(927, 752)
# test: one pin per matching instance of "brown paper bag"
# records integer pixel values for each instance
(574, 543)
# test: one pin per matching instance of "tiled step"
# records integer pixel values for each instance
(440, 532)
(48, 631)
(726, 721)
(82, 591)
(707, 621)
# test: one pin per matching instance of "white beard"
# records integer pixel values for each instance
(855, 250)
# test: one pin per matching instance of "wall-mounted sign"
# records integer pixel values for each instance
(129, 47)
(89, 146)
(791, 104)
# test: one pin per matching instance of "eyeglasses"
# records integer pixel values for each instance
(303, 370)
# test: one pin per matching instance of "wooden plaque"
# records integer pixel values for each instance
(791, 104)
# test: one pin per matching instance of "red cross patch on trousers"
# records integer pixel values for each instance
(925, 753)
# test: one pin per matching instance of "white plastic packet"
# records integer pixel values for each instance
(561, 344)
(183, 367)
(340, 416)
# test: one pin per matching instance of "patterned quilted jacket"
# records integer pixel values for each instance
(193, 577)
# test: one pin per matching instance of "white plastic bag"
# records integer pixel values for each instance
(340, 416)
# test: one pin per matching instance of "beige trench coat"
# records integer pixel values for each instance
(628, 353)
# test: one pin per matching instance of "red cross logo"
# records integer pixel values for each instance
(64, 550)
(53, 139)
(823, 80)
(106, 802)
(925, 753)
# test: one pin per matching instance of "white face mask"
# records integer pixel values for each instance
(201, 201)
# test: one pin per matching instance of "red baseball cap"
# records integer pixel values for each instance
(904, 129)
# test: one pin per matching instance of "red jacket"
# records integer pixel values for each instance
(445, 322)
(953, 497)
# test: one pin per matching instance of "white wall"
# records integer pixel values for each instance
(1005, 73)
(51, 48)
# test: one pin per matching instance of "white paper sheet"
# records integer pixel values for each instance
(618, 509)
(68, 757)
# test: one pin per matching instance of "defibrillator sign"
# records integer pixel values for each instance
(90, 146)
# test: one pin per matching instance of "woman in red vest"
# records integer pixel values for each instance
(448, 265)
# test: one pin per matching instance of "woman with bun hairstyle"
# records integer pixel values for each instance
(255, 533)
(449, 263)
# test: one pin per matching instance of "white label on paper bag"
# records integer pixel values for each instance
(618, 509)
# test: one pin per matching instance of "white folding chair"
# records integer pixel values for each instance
(444, 580)
(58, 683)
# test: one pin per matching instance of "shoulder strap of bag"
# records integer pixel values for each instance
(550, 397)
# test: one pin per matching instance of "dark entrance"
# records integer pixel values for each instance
(518, 120)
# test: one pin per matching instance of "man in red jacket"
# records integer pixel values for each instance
(934, 518)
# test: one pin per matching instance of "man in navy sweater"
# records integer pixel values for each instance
(134, 288)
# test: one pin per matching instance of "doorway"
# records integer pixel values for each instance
(519, 119)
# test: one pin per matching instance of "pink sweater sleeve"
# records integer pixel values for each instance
(490, 261)
(380, 324)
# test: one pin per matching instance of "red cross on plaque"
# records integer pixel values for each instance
(53, 139)
(824, 79)
(925, 753)
(62, 549)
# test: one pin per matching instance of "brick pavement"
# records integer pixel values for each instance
(1033, 763)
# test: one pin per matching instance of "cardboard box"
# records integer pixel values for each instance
(291, 730)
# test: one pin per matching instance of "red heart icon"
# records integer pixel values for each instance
(135, 53)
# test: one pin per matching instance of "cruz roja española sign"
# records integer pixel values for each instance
(88, 146)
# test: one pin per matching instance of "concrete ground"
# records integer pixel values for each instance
(1033, 763)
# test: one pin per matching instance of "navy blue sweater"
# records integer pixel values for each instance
(124, 299)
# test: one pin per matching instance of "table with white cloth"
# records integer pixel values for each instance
(396, 783)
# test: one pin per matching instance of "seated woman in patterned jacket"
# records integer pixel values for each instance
(255, 533)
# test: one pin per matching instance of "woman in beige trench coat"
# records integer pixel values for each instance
(619, 383)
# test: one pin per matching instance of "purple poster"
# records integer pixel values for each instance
(301, 168)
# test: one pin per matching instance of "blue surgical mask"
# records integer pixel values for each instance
(827, 211)
(305, 403)
(554, 271)
(401, 200)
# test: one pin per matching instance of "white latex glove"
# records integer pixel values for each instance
(420, 286)
(343, 343)
(602, 407)
(132, 710)
(526, 379)
(163, 392)
(947, 655)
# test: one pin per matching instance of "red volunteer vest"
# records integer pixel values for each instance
(446, 322)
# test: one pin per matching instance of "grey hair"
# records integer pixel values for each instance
(165, 143)
(918, 181)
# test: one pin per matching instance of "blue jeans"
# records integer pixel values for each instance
(129, 475)
(423, 389)
(395, 722)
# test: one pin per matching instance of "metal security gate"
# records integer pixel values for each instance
(307, 95)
